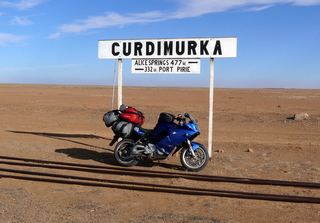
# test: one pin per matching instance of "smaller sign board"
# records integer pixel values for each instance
(166, 66)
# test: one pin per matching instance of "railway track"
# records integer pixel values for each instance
(6, 171)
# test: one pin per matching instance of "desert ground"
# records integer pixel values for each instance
(254, 135)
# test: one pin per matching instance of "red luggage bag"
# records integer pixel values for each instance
(133, 115)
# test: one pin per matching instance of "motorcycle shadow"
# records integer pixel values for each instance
(70, 137)
(162, 165)
(86, 154)
(108, 158)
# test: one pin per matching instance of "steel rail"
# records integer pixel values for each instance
(148, 173)
(154, 187)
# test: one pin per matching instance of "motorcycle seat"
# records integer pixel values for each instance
(147, 130)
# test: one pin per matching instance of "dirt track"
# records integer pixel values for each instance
(254, 136)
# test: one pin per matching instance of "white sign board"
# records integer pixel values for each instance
(168, 48)
(166, 66)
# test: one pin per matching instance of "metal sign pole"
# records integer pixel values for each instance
(119, 82)
(211, 98)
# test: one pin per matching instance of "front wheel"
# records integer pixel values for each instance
(123, 153)
(197, 162)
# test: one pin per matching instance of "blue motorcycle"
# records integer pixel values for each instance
(170, 135)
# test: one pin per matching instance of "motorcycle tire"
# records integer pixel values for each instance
(122, 153)
(197, 163)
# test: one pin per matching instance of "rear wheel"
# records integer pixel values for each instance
(123, 153)
(197, 162)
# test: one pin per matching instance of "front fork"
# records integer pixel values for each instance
(191, 147)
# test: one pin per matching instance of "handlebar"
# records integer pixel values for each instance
(182, 120)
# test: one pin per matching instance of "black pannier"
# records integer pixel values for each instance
(123, 128)
(111, 117)
(165, 117)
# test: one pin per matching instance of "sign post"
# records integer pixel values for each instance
(211, 99)
(169, 56)
(119, 82)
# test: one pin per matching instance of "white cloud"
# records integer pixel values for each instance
(21, 5)
(55, 36)
(186, 9)
(306, 2)
(6, 39)
(21, 21)
(193, 8)
(107, 20)
(259, 8)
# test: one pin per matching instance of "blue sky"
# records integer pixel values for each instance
(56, 41)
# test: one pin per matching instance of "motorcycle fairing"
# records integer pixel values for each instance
(175, 135)
(195, 145)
